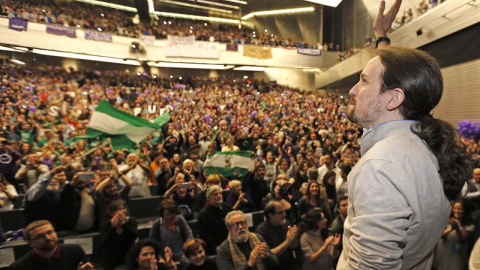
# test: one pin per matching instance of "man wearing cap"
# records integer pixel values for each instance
(47, 253)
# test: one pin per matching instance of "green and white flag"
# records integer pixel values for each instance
(229, 163)
(123, 129)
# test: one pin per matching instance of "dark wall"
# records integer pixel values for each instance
(347, 24)
(299, 27)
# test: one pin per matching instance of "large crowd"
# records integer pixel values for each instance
(91, 17)
(301, 142)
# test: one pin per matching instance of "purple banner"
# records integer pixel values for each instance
(232, 47)
(99, 36)
(17, 24)
(61, 30)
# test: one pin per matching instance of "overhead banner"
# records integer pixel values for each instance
(61, 30)
(179, 40)
(313, 52)
(17, 24)
(99, 36)
(257, 51)
(147, 40)
(195, 50)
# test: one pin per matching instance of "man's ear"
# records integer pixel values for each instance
(395, 98)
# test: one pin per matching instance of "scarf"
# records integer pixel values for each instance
(238, 258)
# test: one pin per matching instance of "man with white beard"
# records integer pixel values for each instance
(138, 173)
(243, 249)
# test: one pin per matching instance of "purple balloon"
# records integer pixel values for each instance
(35, 97)
(27, 88)
(4, 87)
(207, 118)
(32, 109)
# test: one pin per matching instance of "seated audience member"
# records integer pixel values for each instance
(255, 186)
(452, 250)
(185, 194)
(43, 198)
(314, 200)
(238, 200)
(318, 246)
(472, 190)
(171, 229)
(162, 174)
(213, 179)
(229, 145)
(138, 173)
(150, 255)
(211, 220)
(243, 249)
(47, 253)
(107, 191)
(77, 209)
(279, 235)
(194, 250)
(28, 174)
(329, 184)
(8, 194)
(337, 224)
(117, 234)
(284, 192)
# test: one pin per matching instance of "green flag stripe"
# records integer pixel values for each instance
(246, 154)
(107, 108)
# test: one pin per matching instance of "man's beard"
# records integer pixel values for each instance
(351, 111)
(241, 238)
(49, 245)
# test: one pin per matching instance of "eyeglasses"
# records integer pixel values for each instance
(238, 224)
(280, 212)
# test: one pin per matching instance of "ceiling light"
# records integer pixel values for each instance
(216, 4)
(3, 48)
(151, 8)
(109, 5)
(237, 1)
(195, 6)
(87, 57)
(189, 65)
(279, 11)
(18, 62)
(330, 3)
(250, 68)
(196, 17)
(165, 14)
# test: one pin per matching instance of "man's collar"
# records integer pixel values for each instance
(55, 255)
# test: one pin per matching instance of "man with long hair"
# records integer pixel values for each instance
(412, 164)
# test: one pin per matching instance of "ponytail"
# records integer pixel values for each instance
(453, 162)
(418, 74)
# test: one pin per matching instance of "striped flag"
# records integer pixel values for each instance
(229, 163)
(124, 130)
